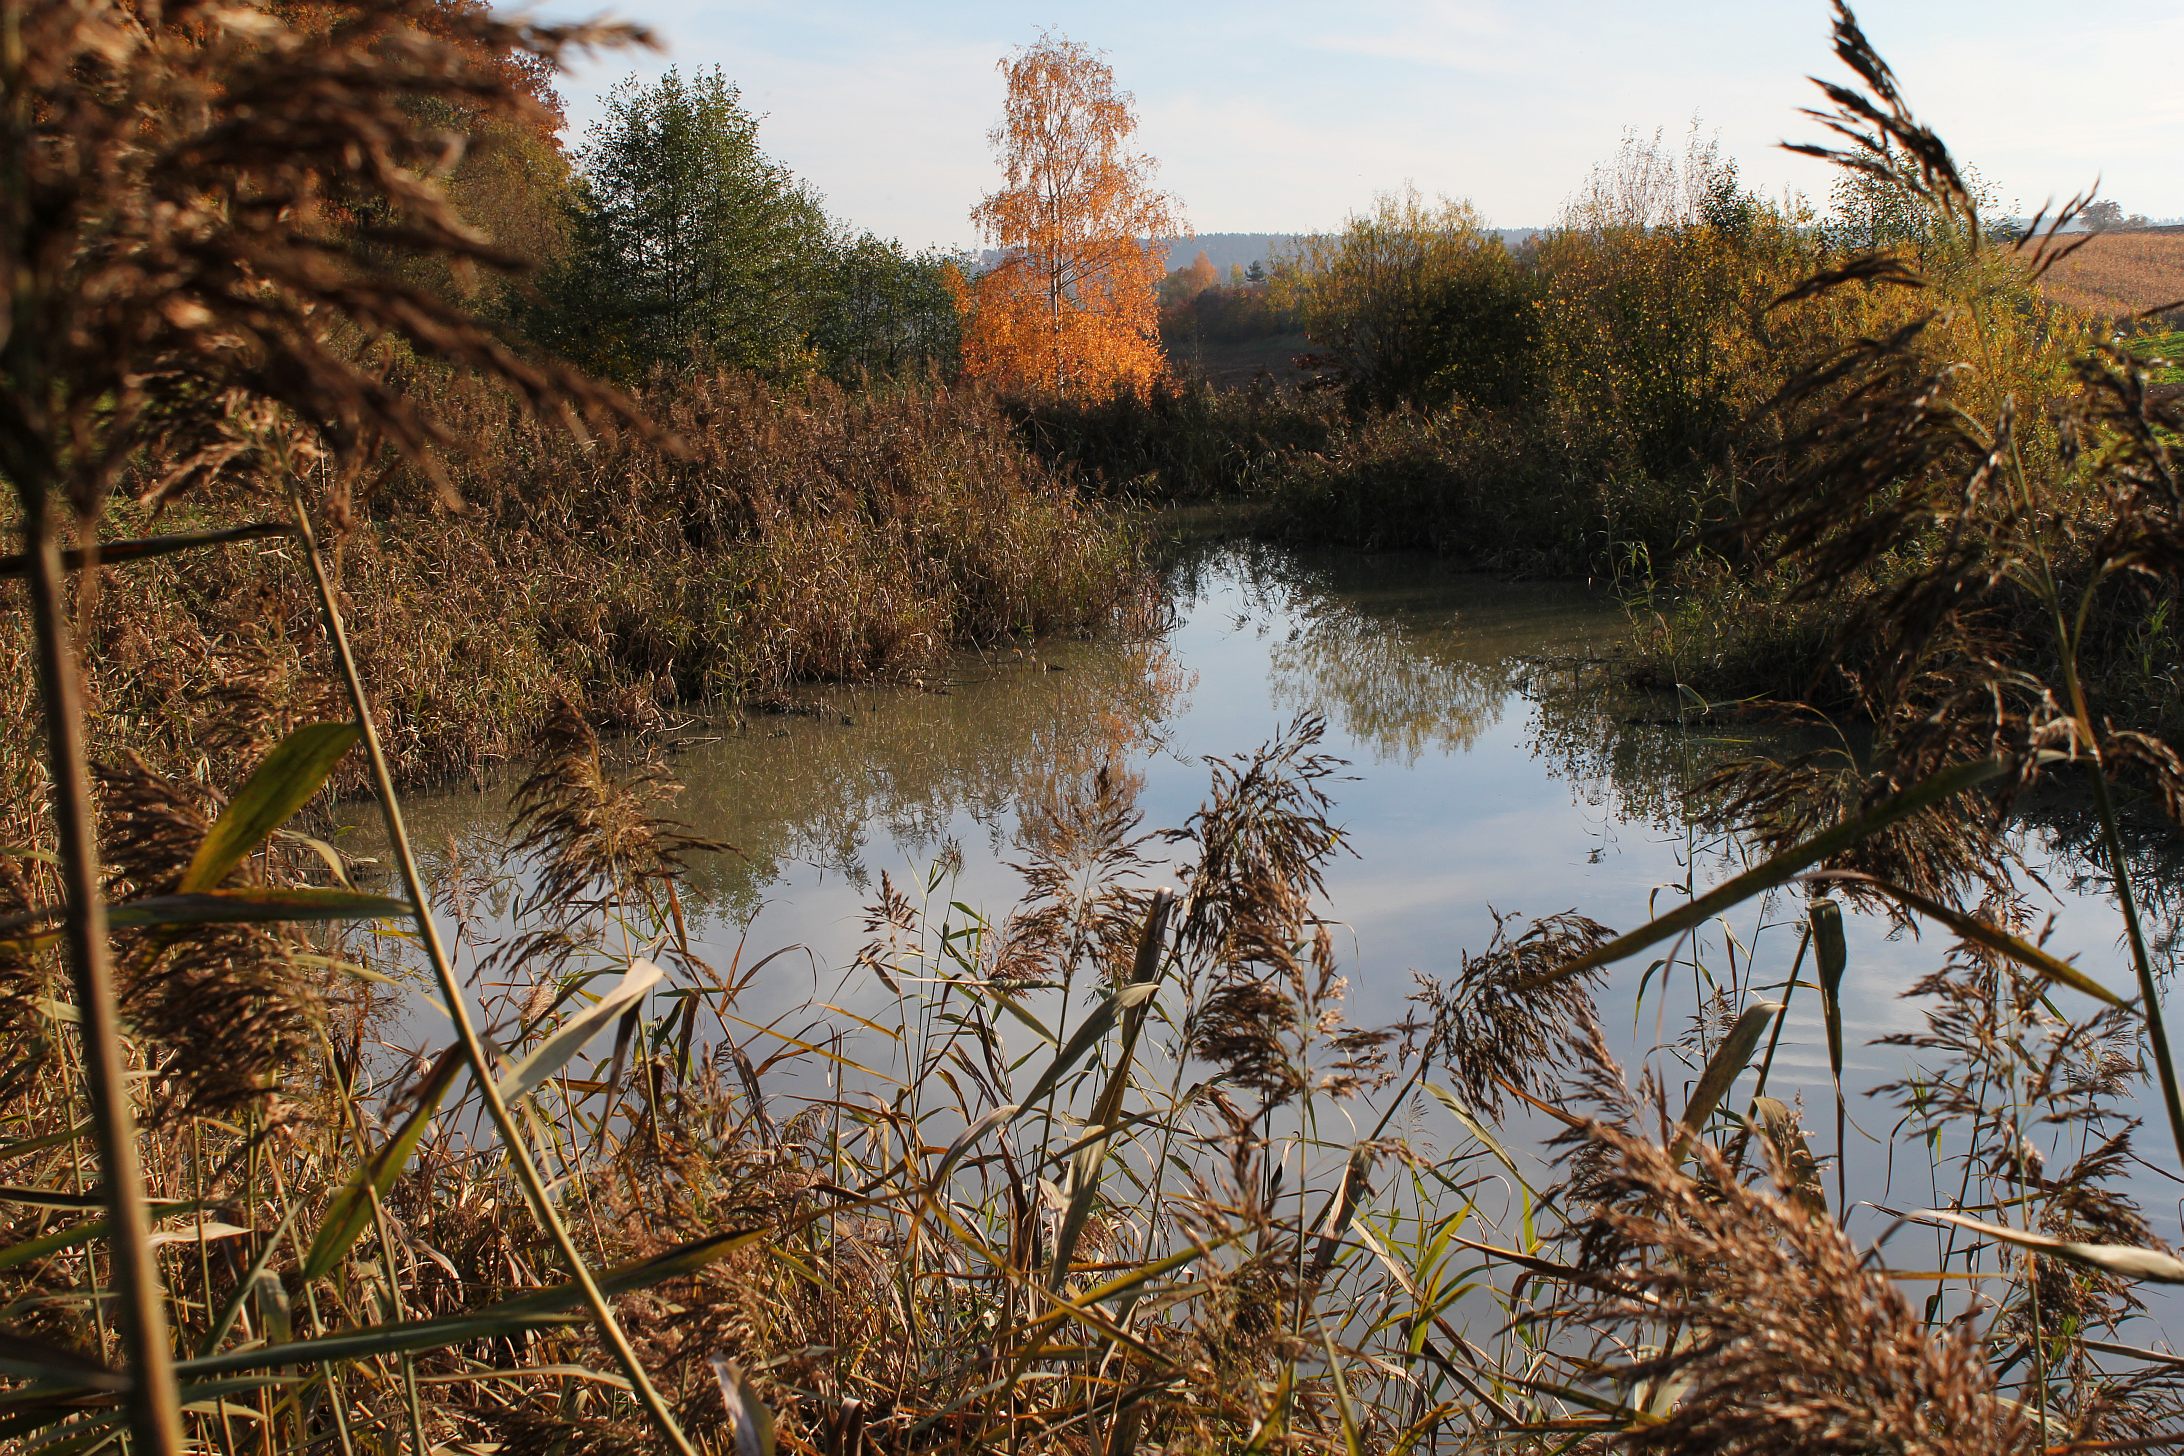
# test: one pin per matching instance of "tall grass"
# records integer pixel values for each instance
(809, 535)
(1112, 1172)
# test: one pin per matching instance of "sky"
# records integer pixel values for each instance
(1284, 115)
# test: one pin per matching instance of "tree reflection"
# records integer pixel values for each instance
(1405, 657)
(845, 770)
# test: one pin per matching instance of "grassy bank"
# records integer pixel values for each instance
(804, 534)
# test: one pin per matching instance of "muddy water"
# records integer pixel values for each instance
(1485, 777)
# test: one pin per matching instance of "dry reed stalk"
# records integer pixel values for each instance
(481, 1063)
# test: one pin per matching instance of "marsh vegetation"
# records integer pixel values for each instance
(511, 1123)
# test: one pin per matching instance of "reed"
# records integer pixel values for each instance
(1114, 1171)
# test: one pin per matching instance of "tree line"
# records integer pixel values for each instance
(670, 238)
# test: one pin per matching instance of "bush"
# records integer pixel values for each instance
(1185, 442)
(1413, 305)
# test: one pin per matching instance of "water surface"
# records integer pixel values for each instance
(1486, 776)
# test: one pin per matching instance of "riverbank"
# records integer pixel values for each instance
(814, 534)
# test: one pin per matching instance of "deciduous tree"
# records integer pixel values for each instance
(1185, 284)
(1415, 304)
(1070, 308)
(886, 311)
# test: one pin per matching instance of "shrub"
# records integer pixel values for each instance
(1412, 305)
(809, 533)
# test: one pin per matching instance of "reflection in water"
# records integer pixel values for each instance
(1491, 771)
(1616, 750)
(901, 770)
(1406, 656)
(845, 776)
(2070, 833)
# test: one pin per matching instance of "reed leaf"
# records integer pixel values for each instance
(252, 905)
(291, 775)
(550, 1055)
(1784, 867)
(1091, 1158)
(2125, 1261)
(1729, 1059)
(351, 1209)
(510, 1316)
(1993, 938)
(748, 1418)
(1831, 956)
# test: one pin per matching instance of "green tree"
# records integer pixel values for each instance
(689, 241)
(1414, 304)
(1872, 210)
(886, 311)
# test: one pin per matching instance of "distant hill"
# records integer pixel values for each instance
(1226, 250)
(1241, 250)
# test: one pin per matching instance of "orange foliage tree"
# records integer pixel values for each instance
(1070, 309)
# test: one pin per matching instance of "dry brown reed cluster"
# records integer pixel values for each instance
(1116, 1173)
(811, 534)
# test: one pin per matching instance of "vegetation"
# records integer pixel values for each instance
(2162, 354)
(1412, 305)
(797, 534)
(2119, 275)
(1115, 1171)
(1070, 309)
(689, 245)
(1239, 334)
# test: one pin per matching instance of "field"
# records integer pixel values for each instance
(2165, 353)
(1236, 363)
(2120, 274)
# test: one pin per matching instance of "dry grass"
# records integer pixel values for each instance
(1113, 1173)
(816, 534)
(2119, 275)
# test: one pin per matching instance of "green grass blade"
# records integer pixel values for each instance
(1831, 953)
(1783, 867)
(511, 1316)
(290, 776)
(351, 1209)
(1479, 1130)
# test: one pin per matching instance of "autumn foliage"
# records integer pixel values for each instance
(1071, 309)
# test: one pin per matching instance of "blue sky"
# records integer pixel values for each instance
(1279, 116)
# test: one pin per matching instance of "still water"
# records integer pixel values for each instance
(1486, 774)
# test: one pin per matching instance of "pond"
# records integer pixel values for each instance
(1486, 775)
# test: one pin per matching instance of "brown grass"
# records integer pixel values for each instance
(2119, 275)
(807, 535)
